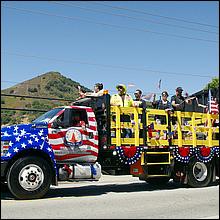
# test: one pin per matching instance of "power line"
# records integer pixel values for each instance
(55, 98)
(107, 65)
(23, 109)
(37, 97)
(110, 25)
(151, 14)
(133, 18)
(6, 81)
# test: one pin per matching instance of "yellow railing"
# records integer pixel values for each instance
(185, 128)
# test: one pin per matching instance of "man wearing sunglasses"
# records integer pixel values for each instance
(123, 99)
(163, 103)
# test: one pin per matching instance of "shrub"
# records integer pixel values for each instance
(32, 90)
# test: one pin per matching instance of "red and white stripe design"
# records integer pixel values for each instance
(87, 152)
(214, 107)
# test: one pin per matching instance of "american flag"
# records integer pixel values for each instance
(213, 107)
(148, 96)
(23, 137)
(52, 141)
(87, 151)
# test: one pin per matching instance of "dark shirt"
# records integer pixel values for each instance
(160, 105)
(178, 100)
(142, 103)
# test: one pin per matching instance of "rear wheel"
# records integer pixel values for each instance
(199, 173)
(29, 178)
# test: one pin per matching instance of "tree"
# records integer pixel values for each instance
(214, 84)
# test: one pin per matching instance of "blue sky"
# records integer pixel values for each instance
(89, 44)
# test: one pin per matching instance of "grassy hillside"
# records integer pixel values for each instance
(51, 84)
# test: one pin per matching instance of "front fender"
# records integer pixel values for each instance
(23, 143)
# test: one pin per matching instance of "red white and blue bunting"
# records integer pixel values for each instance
(204, 154)
(182, 154)
(129, 157)
(217, 151)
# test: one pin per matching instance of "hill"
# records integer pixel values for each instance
(51, 85)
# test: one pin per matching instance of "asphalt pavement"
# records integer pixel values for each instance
(116, 197)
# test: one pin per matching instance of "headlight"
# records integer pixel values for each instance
(4, 147)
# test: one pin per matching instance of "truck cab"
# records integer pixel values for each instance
(60, 144)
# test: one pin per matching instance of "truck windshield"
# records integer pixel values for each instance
(47, 116)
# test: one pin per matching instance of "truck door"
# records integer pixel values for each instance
(76, 137)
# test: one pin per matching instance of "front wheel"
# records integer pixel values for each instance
(29, 178)
(199, 173)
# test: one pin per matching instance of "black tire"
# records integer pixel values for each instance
(199, 173)
(29, 178)
(217, 166)
(159, 181)
(4, 187)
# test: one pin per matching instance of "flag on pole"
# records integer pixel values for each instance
(212, 105)
(209, 101)
(131, 85)
(148, 96)
(159, 84)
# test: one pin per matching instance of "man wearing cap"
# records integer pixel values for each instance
(178, 101)
(122, 98)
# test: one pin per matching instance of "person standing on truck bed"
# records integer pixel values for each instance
(178, 101)
(163, 103)
(98, 90)
(138, 101)
(122, 99)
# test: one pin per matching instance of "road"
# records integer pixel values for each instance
(116, 197)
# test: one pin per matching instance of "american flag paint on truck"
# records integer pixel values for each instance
(43, 137)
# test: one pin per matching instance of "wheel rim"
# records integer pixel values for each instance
(31, 177)
(200, 171)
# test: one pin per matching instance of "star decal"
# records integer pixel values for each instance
(18, 139)
(23, 145)
(16, 150)
(49, 149)
(8, 154)
(30, 141)
(23, 132)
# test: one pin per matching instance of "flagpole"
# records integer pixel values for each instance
(209, 100)
(159, 86)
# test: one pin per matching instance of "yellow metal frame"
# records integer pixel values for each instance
(197, 122)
